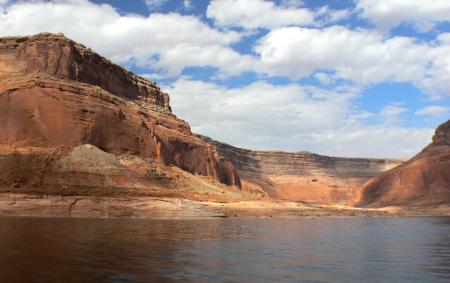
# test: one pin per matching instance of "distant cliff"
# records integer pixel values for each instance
(422, 180)
(303, 176)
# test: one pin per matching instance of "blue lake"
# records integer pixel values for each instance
(225, 250)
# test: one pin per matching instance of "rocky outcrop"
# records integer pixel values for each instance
(88, 171)
(55, 93)
(422, 180)
(303, 176)
(441, 135)
(54, 55)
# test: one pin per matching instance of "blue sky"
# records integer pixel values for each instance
(343, 78)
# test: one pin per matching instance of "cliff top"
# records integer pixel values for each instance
(54, 55)
(17, 41)
(442, 134)
(222, 145)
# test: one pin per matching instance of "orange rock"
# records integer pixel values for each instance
(303, 176)
(55, 92)
(422, 180)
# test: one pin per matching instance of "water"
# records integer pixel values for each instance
(225, 250)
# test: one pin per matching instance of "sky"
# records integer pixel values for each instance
(357, 78)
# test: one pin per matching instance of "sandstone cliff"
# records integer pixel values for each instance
(422, 180)
(74, 123)
(56, 93)
(86, 171)
(303, 176)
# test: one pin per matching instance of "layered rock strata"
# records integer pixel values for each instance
(303, 176)
(422, 180)
(57, 93)
(88, 171)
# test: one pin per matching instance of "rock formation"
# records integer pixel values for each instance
(73, 123)
(303, 176)
(422, 180)
(88, 171)
(56, 93)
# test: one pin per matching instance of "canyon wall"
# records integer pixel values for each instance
(422, 180)
(303, 176)
(56, 96)
(55, 92)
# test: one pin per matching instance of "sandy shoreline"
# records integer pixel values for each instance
(178, 208)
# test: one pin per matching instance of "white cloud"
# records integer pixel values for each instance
(3, 4)
(257, 110)
(167, 41)
(436, 81)
(324, 78)
(423, 15)
(362, 56)
(187, 4)
(372, 141)
(433, 110)
(326, 15)
(291, 3)
(155, 4)
(290, 117)
(391, 113)
(252, 14)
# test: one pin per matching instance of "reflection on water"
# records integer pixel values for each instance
(225, 250)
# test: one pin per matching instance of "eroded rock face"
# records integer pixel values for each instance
(422, 180)
(86, 170)
(303, 176)
(55, 92)
(442, 135)
(57, 56)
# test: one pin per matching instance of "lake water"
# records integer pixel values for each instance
(225, 250)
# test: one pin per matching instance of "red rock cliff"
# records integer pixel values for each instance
(422, 180)
(56, 92)
(303, 176)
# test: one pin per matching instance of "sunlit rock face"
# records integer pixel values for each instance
(422, 180)
(303, 176)
(55, 92)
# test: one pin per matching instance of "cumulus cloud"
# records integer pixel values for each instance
(436, 81)
(433, 110)
(3, 4)
(187, 4)
(325, 15)
(324, 78)
(155, 4)
(169, 42)
(391, 113)
(256, 110)
(372, 141)
(252, 14)
(423, 15)
(290, 117)
(291, 3)
(362, 56)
